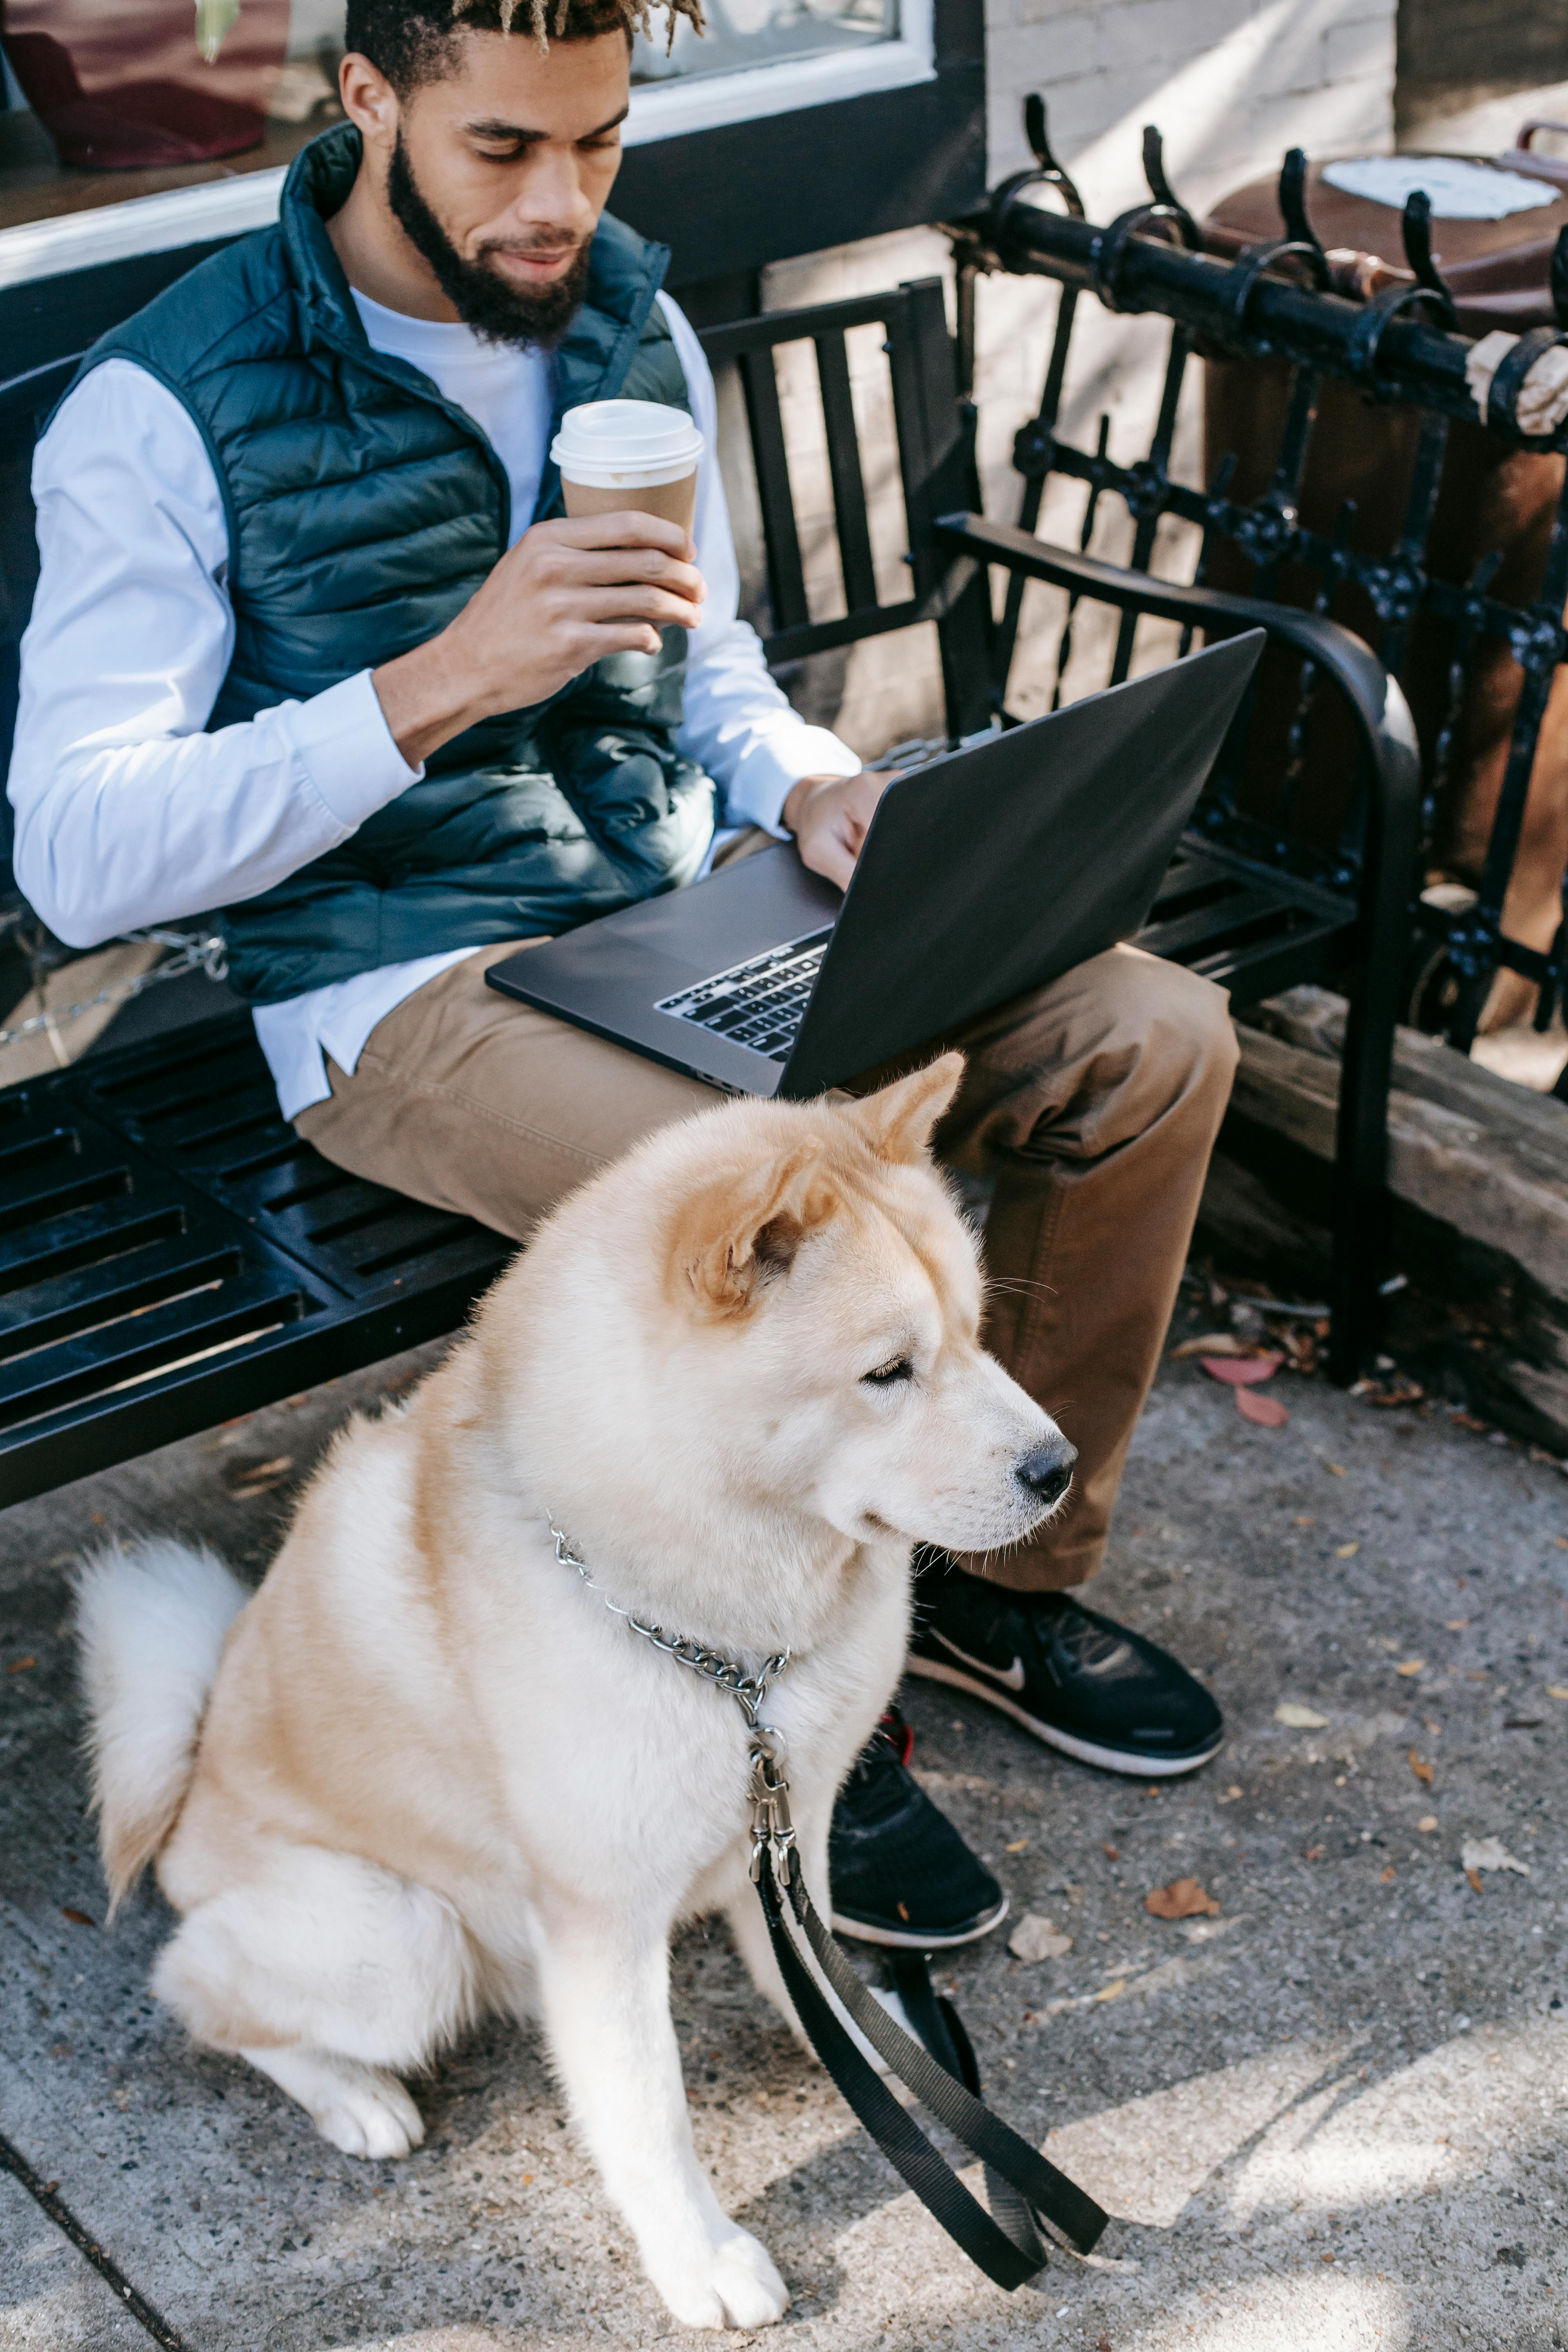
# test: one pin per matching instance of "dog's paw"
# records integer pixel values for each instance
(736, 2286)
(367, 2114)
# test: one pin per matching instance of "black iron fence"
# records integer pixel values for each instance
(1284, 303)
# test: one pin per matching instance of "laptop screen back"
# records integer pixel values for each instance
(994, 870)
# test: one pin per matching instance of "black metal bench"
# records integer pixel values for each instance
(172, 1253)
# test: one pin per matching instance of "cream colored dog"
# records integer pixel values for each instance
(424, 1774)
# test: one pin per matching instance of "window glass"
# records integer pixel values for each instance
(763, 33)
(111, 98)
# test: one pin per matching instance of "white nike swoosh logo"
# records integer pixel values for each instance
(1012, 1675)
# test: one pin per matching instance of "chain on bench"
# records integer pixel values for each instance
(193, 951)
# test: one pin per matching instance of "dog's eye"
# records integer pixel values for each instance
(900, 1369)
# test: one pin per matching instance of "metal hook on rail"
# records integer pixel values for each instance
(1428, 293)
(1160, 188)
(1293, 203)
(1416, 226)
(1045, 172)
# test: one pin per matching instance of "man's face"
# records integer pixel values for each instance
(498, 172)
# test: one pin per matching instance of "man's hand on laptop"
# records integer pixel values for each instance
(830, 817)
(564, 596)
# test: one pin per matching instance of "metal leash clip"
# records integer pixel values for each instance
(772, 1828)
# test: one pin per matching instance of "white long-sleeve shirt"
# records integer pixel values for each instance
(128, 813)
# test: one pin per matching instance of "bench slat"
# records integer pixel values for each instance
(254, 1300)
(855, 558)
(787, 580)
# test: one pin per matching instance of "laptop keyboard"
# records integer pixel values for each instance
(759, 1005)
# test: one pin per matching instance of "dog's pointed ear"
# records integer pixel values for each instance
(742, 1231)
(897, 1122)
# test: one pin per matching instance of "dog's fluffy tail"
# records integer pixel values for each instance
(151, 1621)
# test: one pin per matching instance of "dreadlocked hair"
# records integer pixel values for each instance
(415, 41)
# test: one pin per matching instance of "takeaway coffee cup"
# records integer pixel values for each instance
(615, 453)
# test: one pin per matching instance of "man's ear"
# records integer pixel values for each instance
(743, 1230)
(897, 1122)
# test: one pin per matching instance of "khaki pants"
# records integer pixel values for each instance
(1092, 1104)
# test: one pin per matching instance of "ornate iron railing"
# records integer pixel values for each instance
(1280, 301)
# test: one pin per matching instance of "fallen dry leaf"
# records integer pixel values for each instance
(1336, 1469)
(1266, 1410)
(1303, 1520)
(1468, 1421)
(1346, 1551)
(1427, 1824)
(1241, 1371)
(1474, 1877)
(1386, 1877)
(1212, 1343)
(77, 1919)
(1490, 1853)
(1422, 1769)
(261, 1477)
(1113, 1991)
(1410, 1666)
(1314, 1854)
(1300, 1718)
(1455, 1625)
(1112, 1853)
(1183, 1899)
(1018, 1845)
(21, 1666)
(1231, 1794)
(1401, 1390)
(1557, 1690)
(1034, 1938)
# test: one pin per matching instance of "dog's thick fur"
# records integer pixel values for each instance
(422, 1773)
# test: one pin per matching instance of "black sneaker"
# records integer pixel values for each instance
(900, 1872)
(1076, 1680)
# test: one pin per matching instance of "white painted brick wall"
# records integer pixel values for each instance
(1231, 83)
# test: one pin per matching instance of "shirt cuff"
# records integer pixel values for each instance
(345, 747)
(765, 778)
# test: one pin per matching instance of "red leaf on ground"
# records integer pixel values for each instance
(1241, 1371)
(1266, 1410)
(77, 1919)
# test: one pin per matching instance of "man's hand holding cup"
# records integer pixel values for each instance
(619, 569)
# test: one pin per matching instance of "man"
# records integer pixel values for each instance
(313, 645)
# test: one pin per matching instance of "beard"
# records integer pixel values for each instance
(482, 299)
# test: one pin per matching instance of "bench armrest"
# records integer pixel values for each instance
(1387, 882)
(1381, 711)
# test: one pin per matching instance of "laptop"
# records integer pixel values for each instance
(992, 870)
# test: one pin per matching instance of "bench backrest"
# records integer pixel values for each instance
(934, 434)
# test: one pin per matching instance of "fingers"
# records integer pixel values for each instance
(611, 568)
(629, 602)
(631, 528)
(824, 851)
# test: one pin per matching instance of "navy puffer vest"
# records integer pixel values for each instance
(364, 511)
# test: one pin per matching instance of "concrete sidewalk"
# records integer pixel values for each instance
(1330, 2116)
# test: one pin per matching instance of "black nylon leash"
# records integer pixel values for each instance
(1026, 2191)
(1028, 2194)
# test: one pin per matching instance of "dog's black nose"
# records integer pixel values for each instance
(1046, 1470)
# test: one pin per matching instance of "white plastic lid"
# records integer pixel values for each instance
(626, 444)
(1459, 189)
